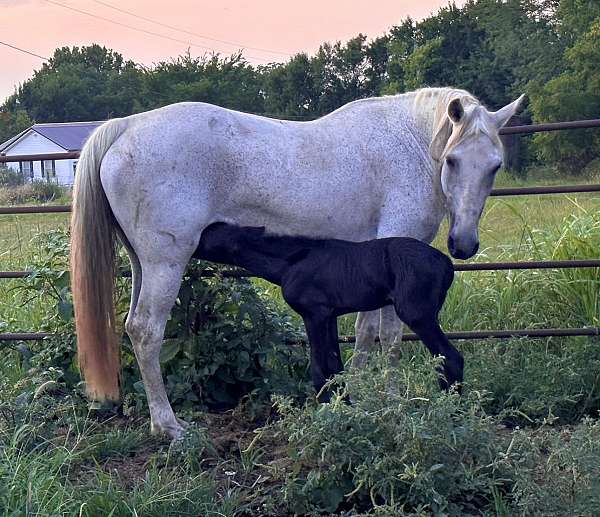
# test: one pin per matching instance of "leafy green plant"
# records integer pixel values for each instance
(9, 177)
(400, 443)
(224, 339)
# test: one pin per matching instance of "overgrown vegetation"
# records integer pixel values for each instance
(14, 191)
(521, 441)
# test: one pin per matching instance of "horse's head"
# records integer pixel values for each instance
(466, 146)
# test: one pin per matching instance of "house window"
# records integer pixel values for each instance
(48, 169)
(74, 166)
(26, 169)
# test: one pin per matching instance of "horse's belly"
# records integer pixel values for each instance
(320, 209)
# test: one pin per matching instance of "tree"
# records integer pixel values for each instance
(79, 84)
(13, 118)
(289, 88)
(574, 94)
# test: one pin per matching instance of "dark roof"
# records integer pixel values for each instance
(6, 144)
(69, 135)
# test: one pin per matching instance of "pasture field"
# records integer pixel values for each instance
(524, 439)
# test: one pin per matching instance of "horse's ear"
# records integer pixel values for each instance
(503, 115)
(455, 110)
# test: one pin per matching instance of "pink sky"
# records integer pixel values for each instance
(279, 25)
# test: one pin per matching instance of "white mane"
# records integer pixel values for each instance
(430, 110)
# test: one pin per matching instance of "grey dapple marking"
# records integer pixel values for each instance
(373, 168)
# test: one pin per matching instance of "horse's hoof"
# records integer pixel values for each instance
(183, 423)
(174, 430)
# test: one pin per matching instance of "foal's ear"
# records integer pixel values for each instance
(455, 110)
(503, 115)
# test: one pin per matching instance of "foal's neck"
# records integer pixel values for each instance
(267, 255)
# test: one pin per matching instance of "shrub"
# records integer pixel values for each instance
(36, 192)
(10, 178)
(540, 378)
(44, 191)
(567, 473)
(223, 340)
(399, 443)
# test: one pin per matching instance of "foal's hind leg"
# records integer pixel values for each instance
(436, 341)
(145, 326)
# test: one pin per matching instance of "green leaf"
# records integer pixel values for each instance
(65, 310)
(170, 348)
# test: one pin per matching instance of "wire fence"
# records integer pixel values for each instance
(475, 266)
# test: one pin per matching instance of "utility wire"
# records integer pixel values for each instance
(151, 33)
(238, 45)
(23, 50)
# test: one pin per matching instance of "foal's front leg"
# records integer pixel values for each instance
(325, 359)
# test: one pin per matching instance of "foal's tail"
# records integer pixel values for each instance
(93, 250)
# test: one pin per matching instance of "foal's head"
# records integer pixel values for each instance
(222, 242)
(466, 146)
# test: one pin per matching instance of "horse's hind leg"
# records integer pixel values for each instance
(136, 274)
(145, 326)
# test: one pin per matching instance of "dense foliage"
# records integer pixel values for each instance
(223, 341)
(497, 49)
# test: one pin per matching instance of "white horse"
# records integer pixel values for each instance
(380, 167)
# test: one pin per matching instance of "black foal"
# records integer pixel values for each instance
(322, 279)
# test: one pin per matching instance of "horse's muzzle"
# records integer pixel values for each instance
(462, 250)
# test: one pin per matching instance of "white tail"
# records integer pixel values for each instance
(93, 249)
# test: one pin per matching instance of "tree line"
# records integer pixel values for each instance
(496, 49)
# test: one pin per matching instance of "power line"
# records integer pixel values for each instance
(23, 50)
(239, 45)
(151, 33)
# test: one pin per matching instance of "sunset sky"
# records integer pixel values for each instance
(267, 30)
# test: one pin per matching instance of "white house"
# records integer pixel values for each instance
(42, 139)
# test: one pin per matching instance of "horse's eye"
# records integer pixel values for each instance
(450, 162)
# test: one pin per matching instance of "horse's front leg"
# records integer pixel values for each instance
(390, 334)
(366, 328)
(145, 326)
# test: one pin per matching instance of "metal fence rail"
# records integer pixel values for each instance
(474, 266)
(459, 335)
(481, 266)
